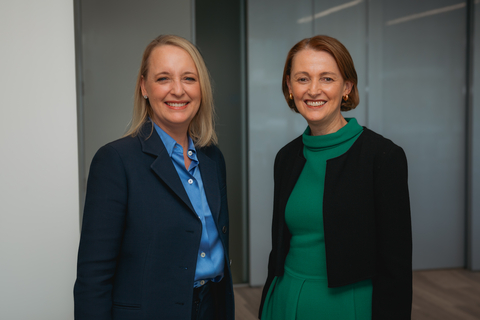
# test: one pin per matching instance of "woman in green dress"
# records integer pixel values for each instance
(341, 234)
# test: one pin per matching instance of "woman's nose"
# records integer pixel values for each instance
(314, 89)
(177, 88)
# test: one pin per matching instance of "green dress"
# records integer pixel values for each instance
(302, 293)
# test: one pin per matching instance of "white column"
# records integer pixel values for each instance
(39, 161)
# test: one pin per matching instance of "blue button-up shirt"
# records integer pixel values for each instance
(210, 259)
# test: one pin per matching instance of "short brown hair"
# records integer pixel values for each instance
(201, 128)
(342, 58)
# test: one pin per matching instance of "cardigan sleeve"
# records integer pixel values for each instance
(392, 286)
(288, 165)
(102, 229)
(274, 235)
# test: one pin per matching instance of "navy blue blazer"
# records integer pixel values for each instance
(140, 234)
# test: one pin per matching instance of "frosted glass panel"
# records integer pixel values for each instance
(411, 65)
(273, 29)
(422, 108)
(346, 20)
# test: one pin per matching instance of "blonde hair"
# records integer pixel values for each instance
(342, 58)
(201, 128)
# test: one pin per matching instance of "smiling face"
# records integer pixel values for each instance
(317, 87)
(172, 87)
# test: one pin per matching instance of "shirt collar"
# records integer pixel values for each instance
(170, 143)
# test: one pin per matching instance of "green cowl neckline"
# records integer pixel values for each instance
(318, 143)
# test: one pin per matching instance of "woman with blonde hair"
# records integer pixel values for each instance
(154, 240)
(341, 234)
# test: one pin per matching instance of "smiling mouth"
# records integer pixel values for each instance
(315, 103)
(176, 104)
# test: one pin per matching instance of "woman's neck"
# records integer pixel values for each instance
(321, 129)
(177, 133)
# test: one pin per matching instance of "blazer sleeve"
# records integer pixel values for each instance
(392, 286)
(102, 229)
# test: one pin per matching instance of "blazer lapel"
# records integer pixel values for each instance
(163, 165)
(208, 171)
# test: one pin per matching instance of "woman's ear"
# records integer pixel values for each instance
(348, 87)
(288, 84)
(142, 86)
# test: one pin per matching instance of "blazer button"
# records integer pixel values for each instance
(224, 229)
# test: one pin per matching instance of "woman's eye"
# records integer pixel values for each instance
(190, 79)
(162, 79)
(327, 79)
(302, 79)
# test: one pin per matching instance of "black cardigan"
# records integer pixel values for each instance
(367, 224)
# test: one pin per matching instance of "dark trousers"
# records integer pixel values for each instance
(203, 305)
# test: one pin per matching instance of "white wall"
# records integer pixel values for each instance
(38, 162)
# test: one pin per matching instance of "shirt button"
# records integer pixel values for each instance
(190, 152)
(202, 282)
(224, 229)
(203, 255)
(190, 181)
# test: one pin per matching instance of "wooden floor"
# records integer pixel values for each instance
(437, 295)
